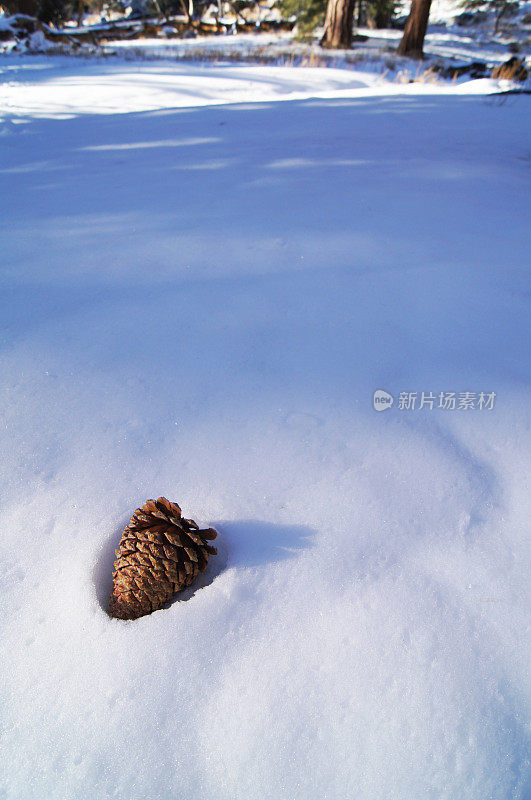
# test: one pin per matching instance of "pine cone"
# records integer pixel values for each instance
(160, 554)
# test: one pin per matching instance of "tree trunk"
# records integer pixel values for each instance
(28, 7)
(338, 24)
(499, 15)
(415, 30)
(360, 19)
(184, 6)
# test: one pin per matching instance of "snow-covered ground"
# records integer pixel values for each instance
(202, 288)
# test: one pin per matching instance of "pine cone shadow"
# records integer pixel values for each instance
(252, 543)
(248, 543)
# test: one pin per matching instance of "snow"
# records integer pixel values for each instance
(112, 87)
(207, 272)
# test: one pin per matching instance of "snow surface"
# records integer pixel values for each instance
(68, 87)
(199, 301)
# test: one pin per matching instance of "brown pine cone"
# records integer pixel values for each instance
(160, 554)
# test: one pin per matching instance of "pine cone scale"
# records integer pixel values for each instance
(174, 538)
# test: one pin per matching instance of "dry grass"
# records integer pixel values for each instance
(429, 75)
(513, 70)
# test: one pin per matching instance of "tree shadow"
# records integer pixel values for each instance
(241, 544)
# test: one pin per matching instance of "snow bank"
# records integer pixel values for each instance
(200, 302)
(68, 87)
